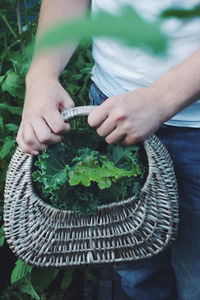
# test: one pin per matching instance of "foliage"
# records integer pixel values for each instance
(20, 270)
(66, 280)
(1, 236)
(182, 13)
(72, 175)
(104, 24)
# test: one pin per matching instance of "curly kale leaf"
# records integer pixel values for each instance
(96, 168)
(82, 201)
(52, 171)
(126, 157)
(72, 177)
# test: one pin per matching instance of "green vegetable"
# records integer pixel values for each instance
(97, 168)
(83, 172)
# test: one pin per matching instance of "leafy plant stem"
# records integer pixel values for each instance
(19, 19)
(12, 31)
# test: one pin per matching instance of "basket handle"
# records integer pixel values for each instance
(75, 112)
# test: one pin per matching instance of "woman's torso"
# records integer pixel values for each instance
(119, 69)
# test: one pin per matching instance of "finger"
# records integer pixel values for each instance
(106, 127)
(115, 136)
(26, 147)
(30, 139)
(66, 103)
(97, 116)
(43, 132)
(130, 140)
(55, 121)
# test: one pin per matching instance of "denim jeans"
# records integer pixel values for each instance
(174, 273)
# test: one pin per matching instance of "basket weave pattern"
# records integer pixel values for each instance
(124, 231)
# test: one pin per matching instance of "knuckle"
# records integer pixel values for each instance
(100, 132)
(67, 126)
(43, 110)
(71, 103)
(120, 115)
(58, 128)
(130, 140)
(26, 150)
(29, 141)
(42, 147)
(44, 139)
(140, 137)
(127, 128)
(109, 140)
(56, 139)
(90, 120)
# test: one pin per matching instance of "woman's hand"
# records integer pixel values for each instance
(41, 122)
(129, 117)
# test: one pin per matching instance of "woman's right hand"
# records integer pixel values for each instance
(42, 123)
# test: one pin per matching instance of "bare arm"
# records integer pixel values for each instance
(179, 87)
(135, 115)
(52, 62)
(41, 121)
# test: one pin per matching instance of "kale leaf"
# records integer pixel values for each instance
(83, 172)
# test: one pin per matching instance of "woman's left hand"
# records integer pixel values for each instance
(128, 118)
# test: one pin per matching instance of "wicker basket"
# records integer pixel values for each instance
(120, 232)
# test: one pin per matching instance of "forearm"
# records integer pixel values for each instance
(179, 87)
(132, 117)
(52, 61)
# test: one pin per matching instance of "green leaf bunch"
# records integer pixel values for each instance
(82, 173)
(91, 166)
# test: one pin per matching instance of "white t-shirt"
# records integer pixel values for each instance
(119, 69)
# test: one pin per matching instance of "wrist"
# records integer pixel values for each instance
(167, 100)
(44, 66)
(39, 73)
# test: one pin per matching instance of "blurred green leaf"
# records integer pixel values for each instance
(66, 280)
(11, 127)
(42, 278)
(27, 287)
(2, 238)
(17, 110)
(2, 78)
(21, 59)
(1, 125)
(13, 84)
(20, 270)
(8, 145)
(91, 277)
(123, 27)
(181, 13)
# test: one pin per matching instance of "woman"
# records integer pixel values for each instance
(141, 92)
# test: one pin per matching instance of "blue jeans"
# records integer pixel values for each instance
(174, 273)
